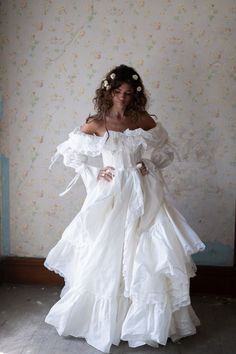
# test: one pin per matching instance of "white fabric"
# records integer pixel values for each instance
(126, 256)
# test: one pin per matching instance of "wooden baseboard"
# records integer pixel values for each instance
(24, 270)
(27, 270)
(214, 280)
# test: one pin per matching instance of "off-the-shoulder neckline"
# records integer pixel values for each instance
(127, 130)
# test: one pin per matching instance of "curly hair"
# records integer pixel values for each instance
(113, 80)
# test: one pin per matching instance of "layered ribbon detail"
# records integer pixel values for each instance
(78, 169)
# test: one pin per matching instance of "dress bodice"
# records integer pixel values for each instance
(121, 159)
(121, 150)
(118, 153)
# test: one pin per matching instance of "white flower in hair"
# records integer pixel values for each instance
(108, 87)
(105, 83)
(135, 77)
(139, 88)
(112, 76)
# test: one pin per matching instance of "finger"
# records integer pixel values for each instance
(109, 168)
(139, 165)
(144, 172)
(109, 174)
(101, 175)
(106, 173)
(107, 178)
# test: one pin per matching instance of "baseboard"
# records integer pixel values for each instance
(214, 280)
(27, 270)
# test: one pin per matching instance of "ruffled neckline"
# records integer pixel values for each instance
(131, 139)
(128, 140)
(93, 144)
(127, 132)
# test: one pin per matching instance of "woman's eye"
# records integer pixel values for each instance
(117, 92)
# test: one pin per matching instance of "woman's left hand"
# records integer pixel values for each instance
(142, 168)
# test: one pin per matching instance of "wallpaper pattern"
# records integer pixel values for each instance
(54, 55)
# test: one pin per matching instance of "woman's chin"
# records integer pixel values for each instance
(121, 104)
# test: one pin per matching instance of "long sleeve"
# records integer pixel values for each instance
(160, 151)
(71, 157)
(163, 150)
(163, 157)
(75, 152)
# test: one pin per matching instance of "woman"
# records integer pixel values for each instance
(126, 256)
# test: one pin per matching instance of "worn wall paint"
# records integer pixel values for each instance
(4, 207)
(1, 105)
(55, 53)
(216, 253)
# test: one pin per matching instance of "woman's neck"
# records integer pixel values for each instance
(117, 113)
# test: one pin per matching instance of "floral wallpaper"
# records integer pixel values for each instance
(54, 55)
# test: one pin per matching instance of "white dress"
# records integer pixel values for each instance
(126, 256)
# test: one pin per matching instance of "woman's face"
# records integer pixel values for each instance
(122, 95)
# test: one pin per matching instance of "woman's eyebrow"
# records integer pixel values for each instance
(124, 91)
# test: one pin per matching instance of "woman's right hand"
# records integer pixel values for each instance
(106, 173)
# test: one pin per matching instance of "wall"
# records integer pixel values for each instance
(55, 54)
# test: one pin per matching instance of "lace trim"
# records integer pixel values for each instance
(55, 270)
(135, 297)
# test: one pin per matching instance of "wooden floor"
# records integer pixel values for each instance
(23, 330)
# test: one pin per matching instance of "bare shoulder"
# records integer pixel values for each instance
(92, 125)
(146, 121)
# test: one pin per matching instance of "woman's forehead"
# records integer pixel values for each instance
(125, 86)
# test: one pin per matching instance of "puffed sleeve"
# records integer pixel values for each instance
(160, 151)
(76, 151)
(163, 150)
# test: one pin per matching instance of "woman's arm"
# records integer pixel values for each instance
(162, 150)
(76, 151)
(145, 121)
(95, 126)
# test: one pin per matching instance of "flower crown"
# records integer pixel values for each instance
(105, 83)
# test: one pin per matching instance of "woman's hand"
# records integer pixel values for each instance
(106, 173)
(142, 168)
